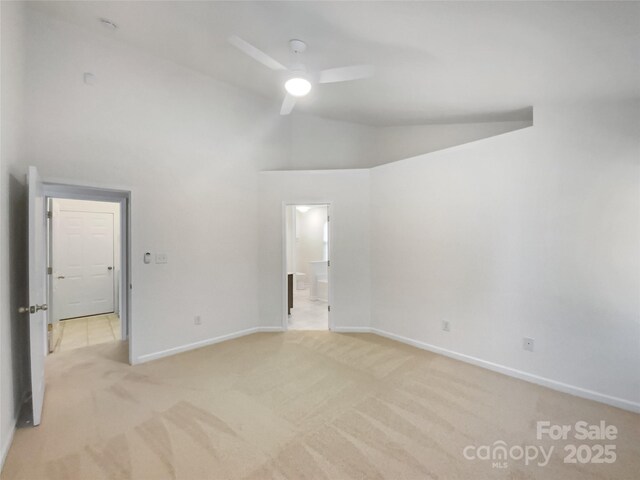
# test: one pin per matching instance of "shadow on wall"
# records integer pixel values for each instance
(407, 141)
(18, 288)
(321, 143)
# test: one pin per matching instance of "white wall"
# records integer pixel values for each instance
(534, 233)
(189, 148)
(348, 193)
(12, 221)
(321, 143)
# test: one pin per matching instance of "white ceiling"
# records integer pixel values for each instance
(435, 61)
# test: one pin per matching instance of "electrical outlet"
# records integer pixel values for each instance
(528, 343)
(197, 320)
(446, 327)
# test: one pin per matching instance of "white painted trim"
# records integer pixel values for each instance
(203, 343)
(318, 172)
(192, 346)
(352, 329)
(270, 329)
(7, 446)
(284, 294)
(512, 372)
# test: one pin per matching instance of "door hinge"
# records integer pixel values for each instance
(328, 263)
(49, 214)
(329, 307)
(328, 218)
(49, 270)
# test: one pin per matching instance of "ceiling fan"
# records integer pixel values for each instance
(299, 81)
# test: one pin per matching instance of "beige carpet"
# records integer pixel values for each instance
(300, 405)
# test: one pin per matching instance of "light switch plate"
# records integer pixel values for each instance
(162, 258)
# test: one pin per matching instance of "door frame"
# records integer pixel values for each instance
(123, 198)
(283, 230)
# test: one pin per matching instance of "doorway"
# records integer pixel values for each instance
(88, 243)
(40, 272)
(84, 265)
(307, 247)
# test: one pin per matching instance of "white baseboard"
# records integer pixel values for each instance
(270, 329)
(351, 329)
(6, 446)
(192, 346)
(512, 372)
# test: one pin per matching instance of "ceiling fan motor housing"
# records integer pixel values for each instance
(297, 46)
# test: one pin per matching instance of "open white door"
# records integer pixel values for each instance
(37, 291)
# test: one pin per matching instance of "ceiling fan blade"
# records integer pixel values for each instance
(255, 53)
(344, 74)
(287, 104)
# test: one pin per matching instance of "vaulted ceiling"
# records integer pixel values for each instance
(436, 62)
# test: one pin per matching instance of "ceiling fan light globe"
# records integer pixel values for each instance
(297, 86)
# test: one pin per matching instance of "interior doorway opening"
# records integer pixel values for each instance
(39, 273)
(93, 229)
(84, 261)
(307, 247)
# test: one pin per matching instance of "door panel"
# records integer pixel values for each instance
(37, 291)
(83, 260)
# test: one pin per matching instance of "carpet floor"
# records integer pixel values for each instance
(299, 405)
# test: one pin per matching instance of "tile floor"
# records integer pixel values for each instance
(308, 314)
(85, 331)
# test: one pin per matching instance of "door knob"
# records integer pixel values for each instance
(33, 309)
(109, 268)
(60, 277)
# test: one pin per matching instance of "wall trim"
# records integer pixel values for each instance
(318, 172)
(203, 343)
(512, 372)
(7, 445)
(270, 329)
(199, 344)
